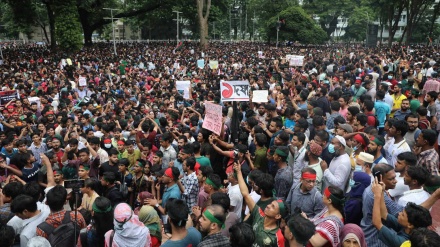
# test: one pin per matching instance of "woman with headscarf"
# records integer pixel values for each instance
(353, 206)
(330, 221)
(142, 198)
(352, 235)
(150, 218)
(128, 230)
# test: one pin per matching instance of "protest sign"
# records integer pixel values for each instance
(201, 63)
(234, 90)
(183, 88)
(35, 100)
(295, 60)
(69, 61)
(82, 81)
(6, 96)
(213, 64)
(213, 118)
(260, 96)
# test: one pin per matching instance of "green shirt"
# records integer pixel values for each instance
(203, 161)
(273, 237)
(392, 234)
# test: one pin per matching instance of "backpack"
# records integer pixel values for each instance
(64, 234)
(376, 123)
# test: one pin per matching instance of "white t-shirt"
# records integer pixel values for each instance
(400, 188)
(418, 196)
(236, 198)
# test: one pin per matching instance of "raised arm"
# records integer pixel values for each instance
(50, 177)
(243, 187)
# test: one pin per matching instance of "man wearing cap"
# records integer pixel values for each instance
(313, 160)
(265, 221)
(212, 221)
(343, 129)
(375, 148)
(284, 175)
(304, 194)
(364, 162)
(338, 172)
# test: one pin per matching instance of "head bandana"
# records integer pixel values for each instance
(97, 210)
(282, 207)
(213, 219)
(83, 167)
(377, 141)
(209, 182)
(121, 143)
(169, 173)
(308, 175)
(359, 139)
(280, 153)
(334, 199)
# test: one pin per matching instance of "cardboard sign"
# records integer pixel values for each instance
(295, 60)
(213, 118)
(6, 96)
(183, 88)
(234, 90)
(82, 81)
(213, 64)
(201, 63)
(260, 96)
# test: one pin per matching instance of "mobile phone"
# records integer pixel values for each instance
(377, 175)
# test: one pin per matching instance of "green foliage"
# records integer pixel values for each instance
(68, 28)
(298, 27)
(357, 23)
(421, 33)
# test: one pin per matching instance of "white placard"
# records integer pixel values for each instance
(260, 96)
(82, 81)
(295, 60)
(234, 90)
(183, 88)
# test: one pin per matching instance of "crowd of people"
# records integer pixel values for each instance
(99, 149)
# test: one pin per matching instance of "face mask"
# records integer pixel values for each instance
(108, 145)
(331, 148)
(352, 183)
(355, 148)
(390, 77)
(358, 168)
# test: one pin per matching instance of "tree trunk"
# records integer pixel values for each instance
(434, 17)
(203, 7)
(51, 17)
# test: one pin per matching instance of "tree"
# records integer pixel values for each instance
(297, 26)
(357, 23)
(415, 10)
(203, 7)
(67, 27)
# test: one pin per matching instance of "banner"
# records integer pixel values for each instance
(201, 63)
(213, 64)
(6, 96)
(213, 118)
(183, 88)
(260, 96)
(295, 60)
(234, 90)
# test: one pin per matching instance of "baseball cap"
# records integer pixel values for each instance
(346, 127)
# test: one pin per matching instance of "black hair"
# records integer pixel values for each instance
(278, 122)
(422, 111)
(13, 189)
(260, 139)
(401, 126)
(241, 235)
(418, 173)
(369, 104)
(430, 136)
(265, 182)
(301, 137)
(302, 113)
(424, 237)
(339, 194)
(221, 199)
(103, 221)
(216, 180)
(94, 140)
(382, 168)
(191, 163)
(339, 120)
(112, 151)
(362, 118)
(32, 189)
(409, 158)
(109, 177)
(23, 202)
(56, 198)
(176, 173)
(303, 229)
(302, 124)
(7, 235)
(124, 161)
(335, 106)
(353, 110)
(318, 121)
(417, 215)
(177, 211)
(411, 115)
(206, 171)
(323, 135)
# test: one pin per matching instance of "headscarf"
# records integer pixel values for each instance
(143, 196)
(353, 231)
(362, 181)
(129, 231)
(148, 215)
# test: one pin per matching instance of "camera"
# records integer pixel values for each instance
(74, 183)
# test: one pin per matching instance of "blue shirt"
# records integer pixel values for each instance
(382, 110)
(289, 124)
(371, 233)
(193, 238)
(171, 192)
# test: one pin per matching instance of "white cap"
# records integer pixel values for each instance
(341, 140)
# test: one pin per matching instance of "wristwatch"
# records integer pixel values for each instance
(157, 205)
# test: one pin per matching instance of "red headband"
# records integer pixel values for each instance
(121, 143)
(308, 175)
(169, 173)
(327, 192)
(359, 139)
